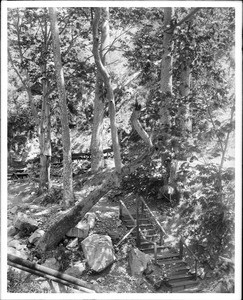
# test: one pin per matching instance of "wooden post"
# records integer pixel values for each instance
(142, 208)
(195, 269)
(161, 240)
(155, 253)
(137, 222)
(181, 249)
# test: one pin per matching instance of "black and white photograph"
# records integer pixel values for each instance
(121, 142)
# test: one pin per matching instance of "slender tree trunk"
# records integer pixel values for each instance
(97, 156)
(166, 89)
(184, 112)
(166, 69)
(68, 196)
(45, 125)
(107, 81)
(45, 142)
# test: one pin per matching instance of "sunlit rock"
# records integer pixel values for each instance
(138, 262)
(98, 251)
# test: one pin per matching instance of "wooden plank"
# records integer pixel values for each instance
(51, 272)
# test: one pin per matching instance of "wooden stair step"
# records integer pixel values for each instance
(151, 248)
(155, 235)
(180, 277)
(172, 262)
(128, 220)
(178, 285)
(142, 226)
(125, 217)
(142, 222)
(191, 289)
(145, 243)
(177, 270)
(146, 231)
(168, 256)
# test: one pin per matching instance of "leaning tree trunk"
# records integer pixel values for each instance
(107, 81)
(68, 196)
(64, 223)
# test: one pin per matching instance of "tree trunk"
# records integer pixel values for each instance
(97, 156)
(166, 89)
(45, 138)
(45, 148)
(166, 69)
(67, 221)
(43, 125)
(68, 196)
(107, 80)
(184, 113)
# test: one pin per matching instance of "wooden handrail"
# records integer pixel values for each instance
(128, 212)
(183, 243)
(125, 236)
(131, 230)
(189, 250)
(153, 216)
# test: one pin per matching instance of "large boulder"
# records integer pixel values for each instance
(25, 224)
(138, 262)
(98, 251)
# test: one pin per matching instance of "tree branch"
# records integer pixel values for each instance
(96, 53)
(138, 127)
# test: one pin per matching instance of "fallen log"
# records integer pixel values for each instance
(48, 273)
(70, 219)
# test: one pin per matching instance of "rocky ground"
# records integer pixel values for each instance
(22, 201)
(69, 256)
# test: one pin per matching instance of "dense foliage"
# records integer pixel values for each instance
(202, 192)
